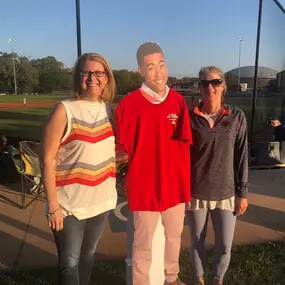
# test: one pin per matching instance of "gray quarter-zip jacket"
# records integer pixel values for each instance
(219, 155)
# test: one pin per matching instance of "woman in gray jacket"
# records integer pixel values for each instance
(219, 158)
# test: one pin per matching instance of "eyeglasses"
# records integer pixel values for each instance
(96, 73)
(213, 82)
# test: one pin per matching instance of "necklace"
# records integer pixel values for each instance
(93, 109)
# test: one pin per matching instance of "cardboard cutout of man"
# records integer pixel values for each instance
(153, 128)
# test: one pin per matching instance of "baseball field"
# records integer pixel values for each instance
(21, 121)
(25, 121)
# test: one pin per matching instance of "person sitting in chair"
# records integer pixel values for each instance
(279, 130)
(4, 148)
(8, 172)
(3, 142)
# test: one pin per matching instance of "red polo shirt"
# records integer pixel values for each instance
(156, 138)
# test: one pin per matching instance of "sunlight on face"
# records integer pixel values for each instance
(212, 92)
(154, 71)
(92, 84)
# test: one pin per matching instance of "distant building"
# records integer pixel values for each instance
(264, 75)
(181, 85)
(281, 82)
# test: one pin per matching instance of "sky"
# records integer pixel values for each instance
(192, 33)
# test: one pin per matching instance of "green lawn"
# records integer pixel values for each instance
(36, 98)
(262, 264)
(31, 98)
(26, 123)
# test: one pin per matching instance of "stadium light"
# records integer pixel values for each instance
(239, 56)
(11, 41)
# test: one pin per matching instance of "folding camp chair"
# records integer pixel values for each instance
(28, 166)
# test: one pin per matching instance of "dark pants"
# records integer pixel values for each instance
(76, 245)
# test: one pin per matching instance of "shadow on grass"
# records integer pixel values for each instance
(262, 264)
(105, 272)
(259, 264)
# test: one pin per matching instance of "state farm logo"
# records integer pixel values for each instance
(172, 118)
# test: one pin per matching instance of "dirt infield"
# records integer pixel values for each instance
(20, 105)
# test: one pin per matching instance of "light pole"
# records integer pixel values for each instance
(78, 27)
(11, 41)
(239, 56)
(254, 96)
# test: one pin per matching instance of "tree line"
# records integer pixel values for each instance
(36, 75)
(45, 75)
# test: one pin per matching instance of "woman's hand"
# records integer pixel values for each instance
(241, 206)
(55, 218)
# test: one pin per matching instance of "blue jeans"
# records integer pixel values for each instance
(76, 245)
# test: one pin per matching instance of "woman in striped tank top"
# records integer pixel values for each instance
(78, 167)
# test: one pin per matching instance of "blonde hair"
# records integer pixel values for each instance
(108, 93)
(213, 69)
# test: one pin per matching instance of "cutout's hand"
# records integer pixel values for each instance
(122, 156)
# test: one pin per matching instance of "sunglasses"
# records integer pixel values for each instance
(213, 82)
(96, 73)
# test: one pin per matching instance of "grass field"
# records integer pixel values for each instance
(262, 264)
(37, 98)
(25, 122)
(31, 98)
(22, 122)
(19, 122)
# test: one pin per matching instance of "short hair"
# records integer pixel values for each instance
(110, 87)
(213, 69)
(147, 49)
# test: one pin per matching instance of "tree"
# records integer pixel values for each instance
(171, 81)
(6, 73)
(38, 75)
(50, 73)
(232, 81)
(27, 75)
(127, 81)
(44, 75)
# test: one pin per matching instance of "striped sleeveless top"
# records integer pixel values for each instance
(85, 168)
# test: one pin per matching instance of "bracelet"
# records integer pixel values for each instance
(52, 213)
